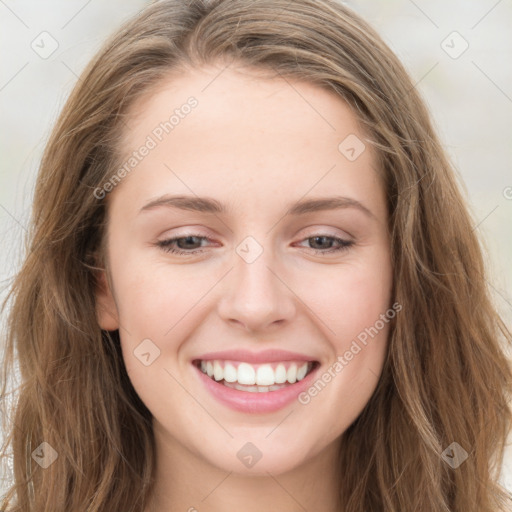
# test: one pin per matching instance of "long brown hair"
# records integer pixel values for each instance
(446, 378)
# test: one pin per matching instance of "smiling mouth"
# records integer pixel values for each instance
(255, 378)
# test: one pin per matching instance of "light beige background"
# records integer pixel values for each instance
(470, 98)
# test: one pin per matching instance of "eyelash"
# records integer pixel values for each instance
(167, 245)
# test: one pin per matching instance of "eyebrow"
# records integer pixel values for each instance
(301, 207)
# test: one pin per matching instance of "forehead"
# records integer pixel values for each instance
(245, 131)
(248, 96)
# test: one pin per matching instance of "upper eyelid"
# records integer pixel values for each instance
(210, 239)
(316, 231)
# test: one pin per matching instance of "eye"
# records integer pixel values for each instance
(184, 242)
(321, 241)
(190, 244)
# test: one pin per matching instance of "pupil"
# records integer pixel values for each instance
(185, 240)
(319, 238)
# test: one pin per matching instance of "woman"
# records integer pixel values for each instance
(328, 341)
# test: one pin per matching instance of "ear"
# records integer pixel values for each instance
(106, 309)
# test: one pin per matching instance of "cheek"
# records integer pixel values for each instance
(154, 296)
(156, 306)
(159, 306)
(357, 315)
(352, 298)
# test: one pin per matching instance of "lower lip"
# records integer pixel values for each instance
(256, 403)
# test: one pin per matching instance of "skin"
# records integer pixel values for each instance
(255, 144)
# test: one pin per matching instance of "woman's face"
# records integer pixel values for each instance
(282, 267)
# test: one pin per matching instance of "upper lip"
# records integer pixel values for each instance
(263, 356)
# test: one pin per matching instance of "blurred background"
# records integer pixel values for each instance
(459, 54)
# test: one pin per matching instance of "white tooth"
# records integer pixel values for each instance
(265, 375)
(229, 373)
(246, 374)
(209, 368)
(203, 366)
(251, 389)
(291, 374)
(218, 372)
(280, 375)
(301, 372)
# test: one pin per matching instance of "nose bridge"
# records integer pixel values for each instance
(253, 295)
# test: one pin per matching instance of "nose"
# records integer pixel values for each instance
(255, 296)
